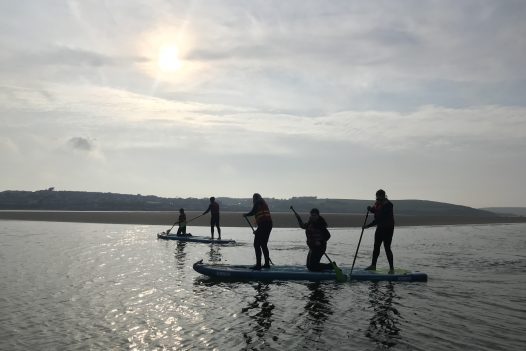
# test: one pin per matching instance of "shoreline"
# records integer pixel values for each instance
(235, 219)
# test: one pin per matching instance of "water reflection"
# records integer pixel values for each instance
(318, 307)
(180, 255)
(214, 255)
(262, 314)
(383, 327)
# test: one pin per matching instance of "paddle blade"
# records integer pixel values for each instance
(340, 277)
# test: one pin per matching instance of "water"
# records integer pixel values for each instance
(113, 287)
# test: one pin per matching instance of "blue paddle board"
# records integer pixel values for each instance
(287, 272)
(194, 239)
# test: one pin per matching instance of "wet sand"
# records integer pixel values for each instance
(235, 219)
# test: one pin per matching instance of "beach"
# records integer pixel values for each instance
(235, 219)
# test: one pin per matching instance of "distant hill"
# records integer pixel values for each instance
(507, 211)
(96, 201)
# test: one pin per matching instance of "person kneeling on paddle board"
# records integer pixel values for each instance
(262, 233)
(384, 222)
(317, 236)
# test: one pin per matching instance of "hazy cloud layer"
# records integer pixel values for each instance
(425, 99)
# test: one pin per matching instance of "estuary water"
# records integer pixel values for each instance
(77, 286)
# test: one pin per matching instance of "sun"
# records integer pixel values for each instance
(168, 60)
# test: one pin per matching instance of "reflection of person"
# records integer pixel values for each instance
(182, 223)
(214, 254)
(317, 235)
(263, 317)
(261, 235)
(318, 306)
(213, 208)
(383, 326)
(384, 222)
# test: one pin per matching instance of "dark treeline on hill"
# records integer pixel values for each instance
(95, 201)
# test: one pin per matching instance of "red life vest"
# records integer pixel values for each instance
(262, 212)
(315, 235)
(387, 220)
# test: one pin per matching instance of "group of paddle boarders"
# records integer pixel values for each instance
(316, 231)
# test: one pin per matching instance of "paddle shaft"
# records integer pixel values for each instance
(250, 224)
(359, 241)
(328, 258)
(188, 221)
(296, 213)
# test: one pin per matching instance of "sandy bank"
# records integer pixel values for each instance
(235, 219)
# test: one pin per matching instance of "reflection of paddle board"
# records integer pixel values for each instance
(195, 239)
(224, 271)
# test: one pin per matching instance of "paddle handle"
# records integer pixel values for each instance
(359, 241)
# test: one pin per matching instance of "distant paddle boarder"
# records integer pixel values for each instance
(182, 223)
(262, 233)
(213, 208)
(384, 222)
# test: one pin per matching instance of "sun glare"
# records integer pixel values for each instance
(169, 59)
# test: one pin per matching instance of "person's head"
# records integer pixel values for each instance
(212, 199)
(314, 214)
(256, 197)
(380, 195)
(181, 210)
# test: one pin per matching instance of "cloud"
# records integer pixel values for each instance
(79, 143)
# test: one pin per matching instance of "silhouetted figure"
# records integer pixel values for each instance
(317, 236)
(262, 233)
(182, 223)
(213, 208)
(384, 222)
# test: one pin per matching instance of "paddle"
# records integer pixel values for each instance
(359, 241)
(340, 277)
(188, 221)
(250, 224)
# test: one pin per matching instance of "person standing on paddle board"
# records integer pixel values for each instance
(213, 208)
(182, 223)
(384, 222)
(317, 236)
(262, 233)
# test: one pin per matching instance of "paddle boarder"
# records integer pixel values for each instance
(213, 208)
(317, 236)
(384, 222)
(262, 233)
(182, 223)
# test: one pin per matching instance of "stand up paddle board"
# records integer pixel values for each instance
(243, 272)
(195, 239)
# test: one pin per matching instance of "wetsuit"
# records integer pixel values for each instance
(317, 235)
(262, 233)
(384, 221)
(213, 208)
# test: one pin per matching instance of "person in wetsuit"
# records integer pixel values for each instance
(262, 233)
(317, 236)
(182, 223)
(213, 208)
(384, 222)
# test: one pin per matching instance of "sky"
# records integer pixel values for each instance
(425, 99)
